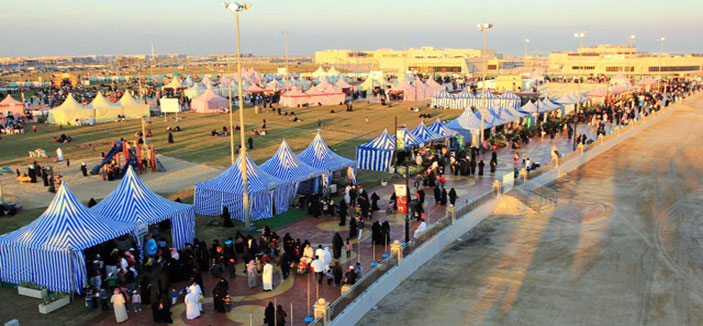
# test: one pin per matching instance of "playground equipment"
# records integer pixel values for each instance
(140, 156)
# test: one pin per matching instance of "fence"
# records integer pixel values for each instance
(358, 289)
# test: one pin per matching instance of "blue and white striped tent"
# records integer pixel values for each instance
(492, 116)
(509, 100)
(516, 112)
(320, 156)
(425, 134)
(506, 116)
(286, 166)
(133, 203)
(49, 251)
(530, 107)
(227, 190)
(377, 154)
(410, 139)
(463, 100)
(467, 121)
(438, 128)
(443, 99)
(546, 105)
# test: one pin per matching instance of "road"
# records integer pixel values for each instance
(624, 246)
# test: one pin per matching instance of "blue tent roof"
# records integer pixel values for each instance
(230, 181)
(425, 134)
(320, 156)
(438, 128)
(376, 155)
(286, 166)
(509, 95)
(530, 107)
(467, 121)
(132, 202)
(410, 139)
(66, 225)
(383, 142)
(49, 251)
(465, 93)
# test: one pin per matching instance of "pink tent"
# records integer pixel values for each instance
(646, 81)
(434, 87)
(325, 98)
(12, 105)
(209, 102)
(407, 90)
(293, 98)
(598, 92)
(272, 86)
(342, 84)
(422, 89)
(255, 89)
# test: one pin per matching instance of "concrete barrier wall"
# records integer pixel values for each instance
(384, 285)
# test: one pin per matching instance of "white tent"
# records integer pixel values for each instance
(132, 108)
(105, 110)
(319, 73)
(69, 111)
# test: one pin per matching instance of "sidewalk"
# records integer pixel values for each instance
(321, 231)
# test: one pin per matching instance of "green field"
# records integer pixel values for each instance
(341, 130)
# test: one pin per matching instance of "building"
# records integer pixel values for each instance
(425, 59)
(612, 59)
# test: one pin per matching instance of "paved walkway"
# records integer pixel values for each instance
(321, 230)
(622, 247)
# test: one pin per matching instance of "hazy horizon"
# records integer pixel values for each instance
(82, 27)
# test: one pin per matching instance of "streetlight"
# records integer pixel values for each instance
(285, 33)
(527, 42)
(661, 54)
(484, 29)
(236, 8)
(580, 36)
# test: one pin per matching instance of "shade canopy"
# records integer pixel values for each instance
(320, 156)
(134, 203)
(286, 166)
(49, 250)
(426, 135)
(439, 128)
(376, 155)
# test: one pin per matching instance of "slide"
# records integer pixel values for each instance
(133, 162)
(114, 150)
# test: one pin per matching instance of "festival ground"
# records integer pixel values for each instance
(622, 247)
(294, 289)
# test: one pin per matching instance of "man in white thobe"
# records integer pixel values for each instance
(192, 302)
(267, 277)
(195, 288)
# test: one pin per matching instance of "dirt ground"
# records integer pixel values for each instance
(622, 247)
(179, 175)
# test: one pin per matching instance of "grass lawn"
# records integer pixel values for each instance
(343, 131)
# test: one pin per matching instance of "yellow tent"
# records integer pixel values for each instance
(105, 111)
(69, 111)
(132, 108)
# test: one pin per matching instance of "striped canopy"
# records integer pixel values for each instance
(410, 139)
(547, 105)
(376, 155)
(438, 128)
(467, 121)
(530, 107)
(133, 203)
(226, 190)
(425, 134)
(320, 156)
(286, 166)
(49, 251)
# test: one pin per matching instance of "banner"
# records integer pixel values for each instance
(400, 139)
(402, 198)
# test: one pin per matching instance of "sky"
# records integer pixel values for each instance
(200, 27)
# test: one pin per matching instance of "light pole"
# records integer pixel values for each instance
(578, 85)
(236, 8)
(580, 36)
(483, 28)
(285, 34)
(661, 54)
(631, 40)
(405, 54)
(527, 42)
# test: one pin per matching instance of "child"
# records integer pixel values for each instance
(136, 301)
(103, 298)
(228, 303)
(174, 296)
(89, 305)
(348, 248)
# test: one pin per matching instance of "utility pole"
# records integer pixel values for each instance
(285, 34)
(484, 101)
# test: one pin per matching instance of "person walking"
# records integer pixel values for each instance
(118, 304)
